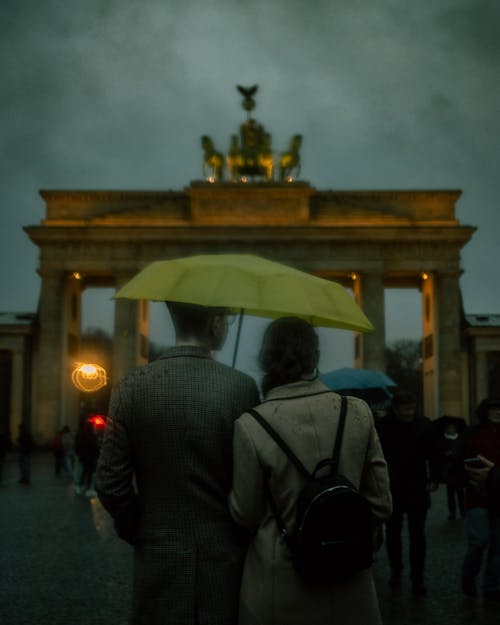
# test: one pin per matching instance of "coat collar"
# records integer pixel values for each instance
(297, 389)
(192, 351)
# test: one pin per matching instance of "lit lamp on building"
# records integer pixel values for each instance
(88, 377)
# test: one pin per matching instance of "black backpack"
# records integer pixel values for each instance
(333, 534)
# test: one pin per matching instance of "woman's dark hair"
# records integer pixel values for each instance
(289, 350)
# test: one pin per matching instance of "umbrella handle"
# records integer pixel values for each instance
(238, 332)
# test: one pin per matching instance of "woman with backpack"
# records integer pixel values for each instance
(267, 482)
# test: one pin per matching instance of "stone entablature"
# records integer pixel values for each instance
(255, 203)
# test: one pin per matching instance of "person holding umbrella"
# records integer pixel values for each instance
(170, 427)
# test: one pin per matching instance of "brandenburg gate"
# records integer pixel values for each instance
(366, 240)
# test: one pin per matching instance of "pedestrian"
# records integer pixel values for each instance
(448, 473)
(305, 413)
(58, 452)
(482, 512)
(485, 473)
(170, 427)
(68, 450)
(25, 446)
(87, 450)
(5, 446)
(412, 456)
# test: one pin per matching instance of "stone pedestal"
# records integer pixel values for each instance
(239, 204)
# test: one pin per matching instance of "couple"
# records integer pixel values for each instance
(207, 549)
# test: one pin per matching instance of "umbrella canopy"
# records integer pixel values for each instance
(368, 384)
(248, 283)
(350, 378)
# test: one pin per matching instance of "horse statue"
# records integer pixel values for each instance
(234, 159)
(213, 161)
(290, 160)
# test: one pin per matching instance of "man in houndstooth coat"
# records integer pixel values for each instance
(170, 430)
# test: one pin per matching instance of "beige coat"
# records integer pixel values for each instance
(307, 418)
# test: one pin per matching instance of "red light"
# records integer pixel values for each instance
(99, 421)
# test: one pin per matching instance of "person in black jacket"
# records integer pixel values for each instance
(410, 448)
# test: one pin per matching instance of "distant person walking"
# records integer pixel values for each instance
(87, 450)
(68, 450)
(58, 452)
(482, 511)
(410, 448)
(25, 446)
(5, 446)
(448, 472)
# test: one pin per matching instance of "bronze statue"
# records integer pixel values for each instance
(234, 159)
(266, 159)
(248, 93)
(290, 160)
(250, 155)
(213, 161)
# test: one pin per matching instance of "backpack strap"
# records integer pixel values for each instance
(298, 464)
(279, 441)
(340, 433)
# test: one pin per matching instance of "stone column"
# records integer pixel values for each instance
(449, 353)
(430, 346)
(130, 333)
(369, 294)
(51, 365)
(441, 345)
(481, 381)
(17, 390)
(71, 332)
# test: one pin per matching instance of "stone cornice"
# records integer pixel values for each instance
(340, 234)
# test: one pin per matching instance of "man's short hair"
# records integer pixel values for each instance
(192, 320)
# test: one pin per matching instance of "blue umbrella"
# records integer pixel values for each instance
(368, 384)
(350, 378)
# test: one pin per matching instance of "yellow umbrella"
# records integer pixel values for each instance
(244, 282)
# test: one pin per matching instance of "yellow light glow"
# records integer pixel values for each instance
(77, 275)
(424, 276)
(211, 179)
(290, 179)
(354, 276)
(88, 377)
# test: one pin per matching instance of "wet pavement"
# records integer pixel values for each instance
(61, 564)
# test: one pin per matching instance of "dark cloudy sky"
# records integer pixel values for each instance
(389, 94)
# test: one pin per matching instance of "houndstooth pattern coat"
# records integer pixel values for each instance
(170, 427)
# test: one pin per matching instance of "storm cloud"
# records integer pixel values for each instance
(116, 93)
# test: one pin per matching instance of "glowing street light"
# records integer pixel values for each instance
(88, 377)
